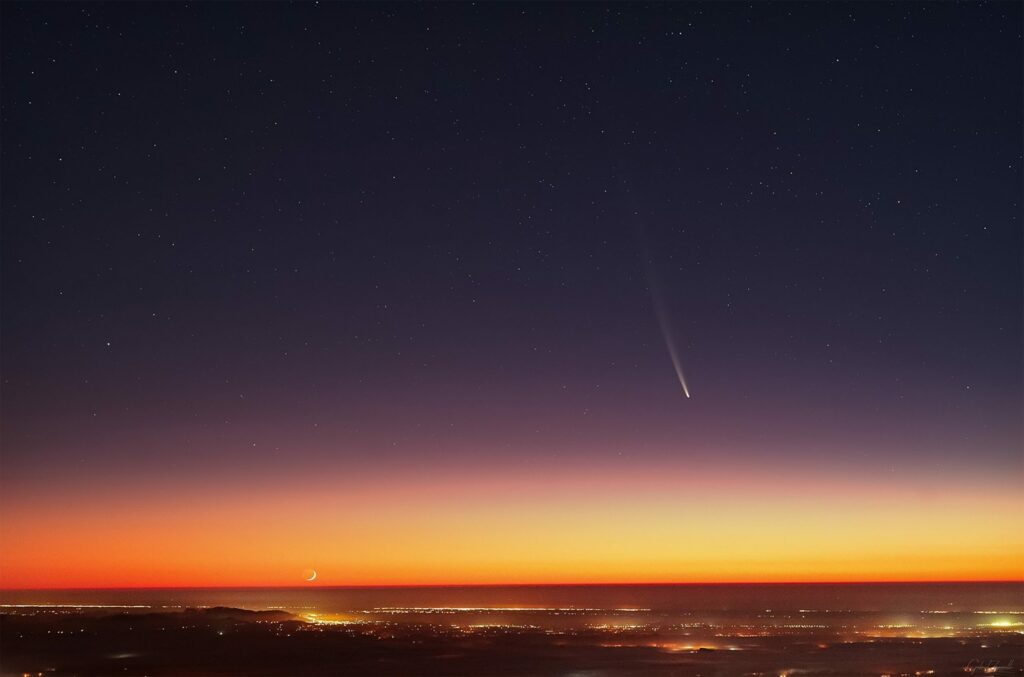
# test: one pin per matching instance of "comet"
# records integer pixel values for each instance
(670, 343)
(661, 311)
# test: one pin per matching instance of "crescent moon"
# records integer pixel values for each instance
(312, 576)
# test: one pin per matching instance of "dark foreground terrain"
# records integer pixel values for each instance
(223, 641)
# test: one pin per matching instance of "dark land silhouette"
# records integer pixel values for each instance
(227, 641)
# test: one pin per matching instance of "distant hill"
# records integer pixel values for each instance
(244, 615)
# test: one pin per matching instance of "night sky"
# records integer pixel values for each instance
(371, 289)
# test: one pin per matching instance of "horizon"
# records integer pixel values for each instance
(595, 584)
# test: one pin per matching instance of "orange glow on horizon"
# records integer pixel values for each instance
(647, 528)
